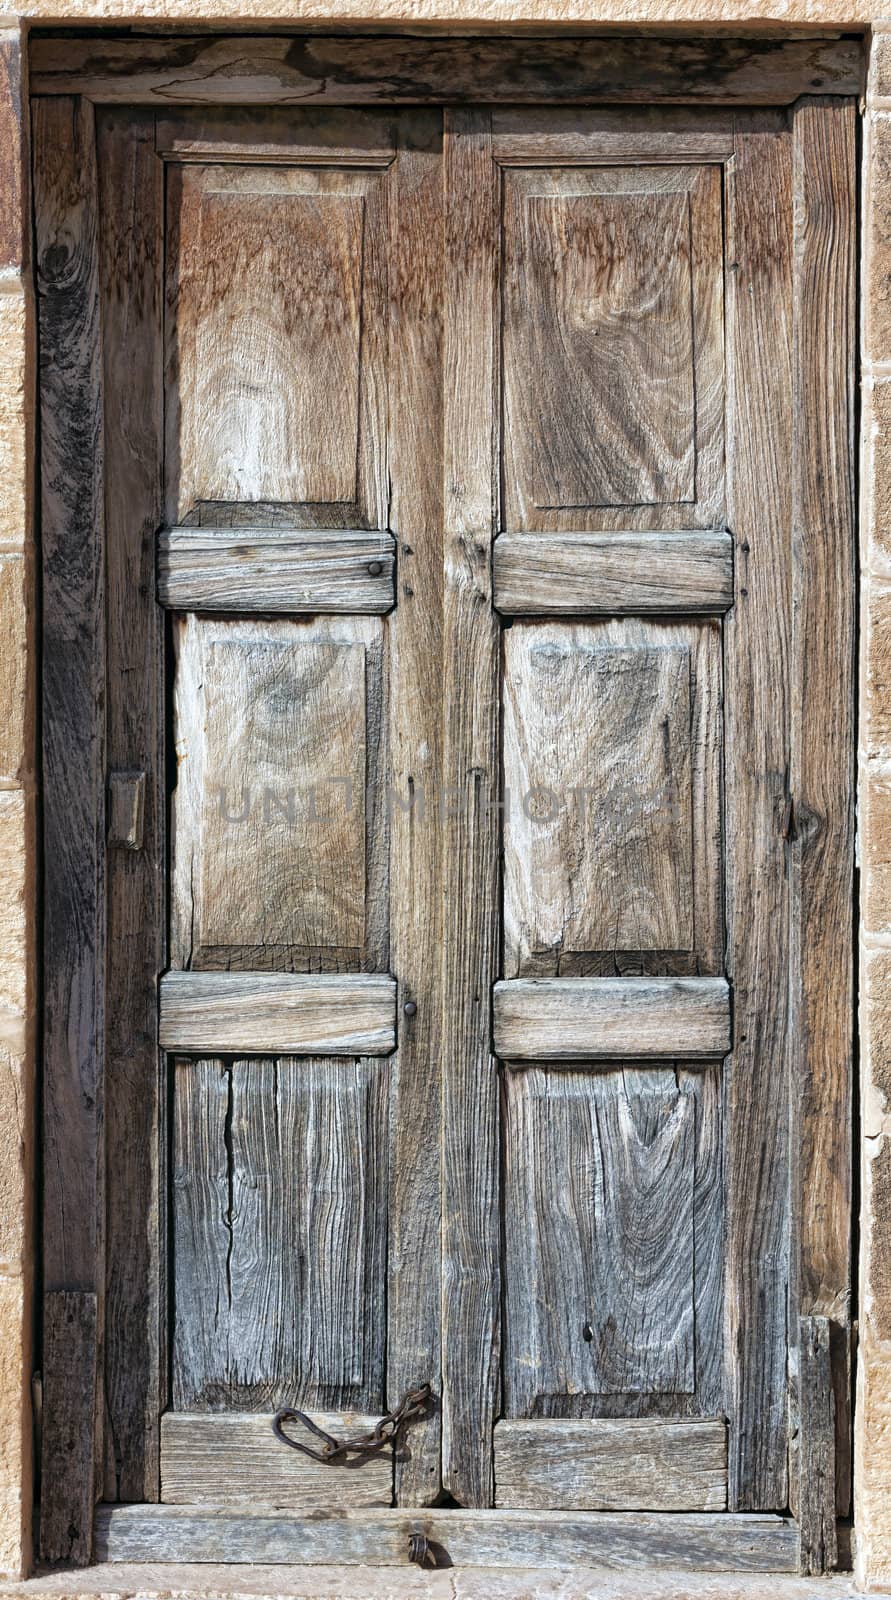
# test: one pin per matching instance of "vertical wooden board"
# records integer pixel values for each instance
(70, 1337)
(280, 830)
(757, 764)
(604, 1215)
(818, 1548)
(273, 341)
(823, 778)
(612, 774)
(131, 187)
(470, 1186)
(416, 666)
(279, 1234)
(613, 347)
(72, 522)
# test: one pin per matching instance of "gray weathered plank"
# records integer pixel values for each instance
(68, 1446)
(293, 69)
(816, 1448)
(823, 777)
(73, 730)
(613, 573)
(573, 1019)
(469, 878)
(651, 1464)
(279, 1188)
(126, 809)
(688, 1542)
(235, 1460)
(758, 673)
(294, 1013)
(205, 569)
(415, 636)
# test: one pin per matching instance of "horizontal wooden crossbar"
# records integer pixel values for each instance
(209, 569)
(575, 1019)
(234, 1459)
(611, 1464)
(612, 573)
(234, 1013)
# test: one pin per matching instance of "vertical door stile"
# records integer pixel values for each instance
(416, 663)
(470, 1268)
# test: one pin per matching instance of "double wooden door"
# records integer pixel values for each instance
(477, 502)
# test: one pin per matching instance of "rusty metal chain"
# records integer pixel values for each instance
(338, 1452)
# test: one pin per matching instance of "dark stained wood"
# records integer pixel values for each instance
(72, 521)
(575, 1019)
(70, 1337)
(758, 668)
(300, 1013)
(131, 256)
(612, 573)
(234, 1459)
(279, 1234)
(611, 1465)
(687, 1542)
(823, 777)
(292, 69)
(204, 569)
(818, 1550)
(416, 666)
(296, 136)
(470, 1241)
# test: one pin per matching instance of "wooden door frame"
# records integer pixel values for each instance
(70, 77)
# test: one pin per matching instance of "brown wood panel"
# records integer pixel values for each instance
(298, 1013)
(131, 267)
(612, 573)
(235, 1460)
(470, 1188)
(612, 770)
(297, 136)
(280, 825)
(613, 348)
(601, 1177)
(611, 1464)
(573, 1019)
(279, 1234)
(758, 668)
(276, 343)
(290, 69)
(567, 136)
(73, 747)
(216, 569)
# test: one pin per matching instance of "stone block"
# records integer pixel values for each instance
(17, 375)
(877, 236)
(16, 678)
(17, 844)
(15, 1425)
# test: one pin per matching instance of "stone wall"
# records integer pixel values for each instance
(18, 666)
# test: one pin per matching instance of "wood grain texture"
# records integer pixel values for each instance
(612, 324)
(70, 1341)
(566, 136)
(469, 886)
(687, 1542)
(203, 569)
(280, 816)
(612, 764)
(298, 136)
(612, 573)
(292, 69)
(600, 1219)
(818, 1550)
(126, 809)
(625, 1465)
(416, 671)
(73, 748)
(279, 1234)
(822, 777)
(131, 193)
(276, 339)
(758, 670)
(574, 1019)
(299, 1013)
(235, 1460)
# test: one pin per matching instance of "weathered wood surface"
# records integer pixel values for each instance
(688, 1542)
(816, 1448)
(565, 136)
(70, 1341)
(298, 136)
(612, 324)
(204, 569)
(126, 810)
(758, 668)
(574, 1019)
(611, 1465)
(73, 735)
(236, 1460)
(612, 774)
(361, 70)
(822, 776)
(470, 832)
(416, 669)
(613, 1233)
(280, 819)
(613, 573)
(279, 1188)
(297, 1013)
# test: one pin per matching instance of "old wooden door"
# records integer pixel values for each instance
(477, 501)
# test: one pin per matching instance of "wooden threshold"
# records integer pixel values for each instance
(238, 1013)
(614, 574)
(611, 1464)
(689, 1542)
(215, 569)
(577, 1019)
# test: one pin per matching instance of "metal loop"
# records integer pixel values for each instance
(337, 1452)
